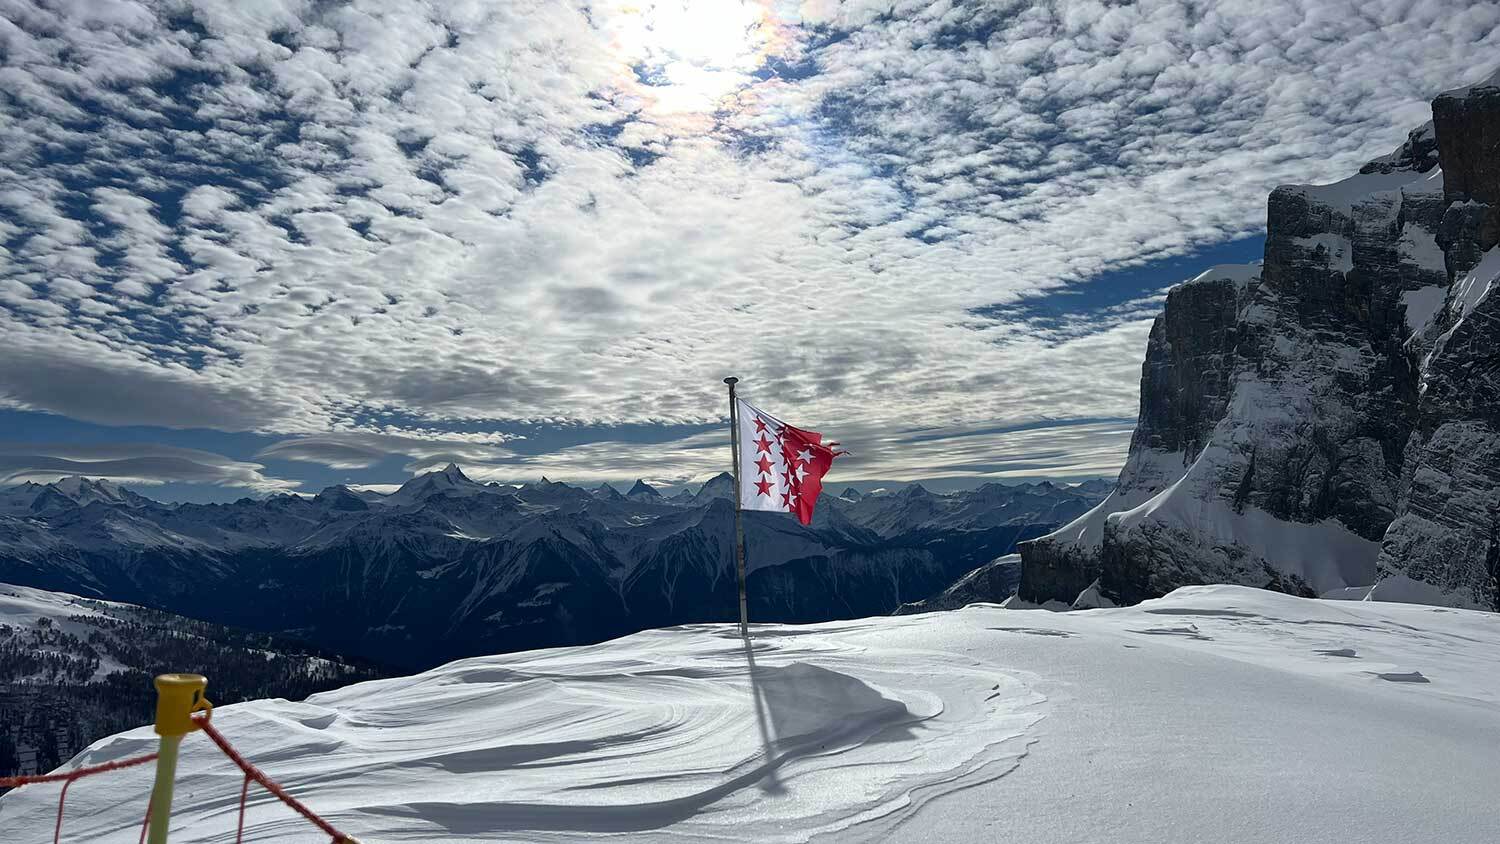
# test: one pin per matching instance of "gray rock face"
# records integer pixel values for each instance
(1185, 380)
(1185, 384)
(1331, 417)
(1444, 547)
(994, 581)
(1468, 124)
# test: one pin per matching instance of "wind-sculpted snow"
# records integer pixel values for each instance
(689, 731)
(1215, 714)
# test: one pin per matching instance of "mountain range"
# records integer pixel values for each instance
(446, 567)
(1325, 421)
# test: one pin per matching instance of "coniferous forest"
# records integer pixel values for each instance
(70, 680)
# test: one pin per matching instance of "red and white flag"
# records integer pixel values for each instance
(781, 467)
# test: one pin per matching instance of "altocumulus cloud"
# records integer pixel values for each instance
(134, 463)
(1087, 448)
(387, 219)
(362, 449)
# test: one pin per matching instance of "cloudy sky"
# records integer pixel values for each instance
(253, 246)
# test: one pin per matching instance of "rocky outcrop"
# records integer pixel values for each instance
(1468, 124)
(994, 581)
(1185, 383)
(1444, 547)
(1334, 414)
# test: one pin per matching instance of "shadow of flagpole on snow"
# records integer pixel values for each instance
(769, 783)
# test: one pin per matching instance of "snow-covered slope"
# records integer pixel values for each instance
(1215, 714)
(35, 498)
(73, 669)
(25, 613)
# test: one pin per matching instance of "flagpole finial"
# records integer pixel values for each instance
(731, 380)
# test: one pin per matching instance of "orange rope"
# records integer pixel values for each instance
(239, 829)
(77, 773)
(67, 779)
(63, 795)
(254, 773)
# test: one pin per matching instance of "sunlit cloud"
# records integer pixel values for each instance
(320, 222)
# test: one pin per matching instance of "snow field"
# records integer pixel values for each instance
(1214, 714)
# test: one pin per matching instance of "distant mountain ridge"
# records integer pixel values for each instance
(39, 498)
(446, 566)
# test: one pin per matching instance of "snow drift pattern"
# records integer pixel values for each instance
(944, 727)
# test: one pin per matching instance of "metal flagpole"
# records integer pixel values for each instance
(739, 527)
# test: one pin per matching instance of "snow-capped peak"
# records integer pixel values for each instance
(719, 486)
(83, 489)
(449, 480)
(642, 488)
(68, 492)
(1240, 274)
(341, 498)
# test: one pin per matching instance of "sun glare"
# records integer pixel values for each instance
(688, 54)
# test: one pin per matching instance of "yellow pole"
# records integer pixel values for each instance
(178, 696)
(161, 793)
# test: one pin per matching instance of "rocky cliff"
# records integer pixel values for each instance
(1444, 546)
(1329, 418)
